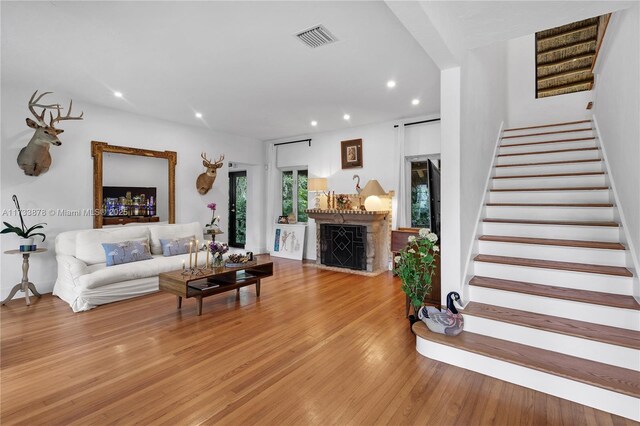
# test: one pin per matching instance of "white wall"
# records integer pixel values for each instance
(69, 182)
(523, 107)
(379, 160)
(617, 112)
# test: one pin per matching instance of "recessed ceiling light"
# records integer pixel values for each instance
(415, 102)
(346, 116)
(314, 123)
(117, 94)
(391, 84)
(198, 115)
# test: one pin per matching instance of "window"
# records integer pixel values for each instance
(294, 193)
(420, 217)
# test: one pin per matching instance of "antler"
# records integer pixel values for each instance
(204, 157)
(60, 118)
(219, 161)
(33, 103)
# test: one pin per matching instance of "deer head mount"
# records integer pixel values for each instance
(35, 158)
(205, 180)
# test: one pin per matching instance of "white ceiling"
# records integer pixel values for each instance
(235, 62)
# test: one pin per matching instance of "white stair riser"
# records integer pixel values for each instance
(550, 182)
(590, 143)
(554, 156)
(551, 213)
(619, 356)
(569, 279)
(557, 253)
(590, 196)
(566, 232)
(581, 393)
(597, 314)
(578, 133)
(547, 129)
(594, 166)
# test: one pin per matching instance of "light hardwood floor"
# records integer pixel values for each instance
(319, 347)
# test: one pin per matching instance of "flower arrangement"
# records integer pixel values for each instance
(343, 201)
(217, 249)
(26, 234)
(415, 266)
(215, 220)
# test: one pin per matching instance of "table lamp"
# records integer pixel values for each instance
(317, 185)
(371, 194)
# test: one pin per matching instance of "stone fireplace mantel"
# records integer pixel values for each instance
(377, 224)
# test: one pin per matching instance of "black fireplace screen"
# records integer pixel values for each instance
(344, 246)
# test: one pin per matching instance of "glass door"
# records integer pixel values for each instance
(237, 209)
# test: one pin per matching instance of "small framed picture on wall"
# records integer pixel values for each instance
(351, 152)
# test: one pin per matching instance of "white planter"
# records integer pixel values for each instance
(26, 241)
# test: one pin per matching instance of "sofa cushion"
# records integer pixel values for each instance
(172, 247)
(89, 243)
(126, 252)
(171, 232)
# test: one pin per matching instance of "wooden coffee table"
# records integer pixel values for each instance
(215, 281)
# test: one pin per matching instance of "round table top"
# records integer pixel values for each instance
(40, 250)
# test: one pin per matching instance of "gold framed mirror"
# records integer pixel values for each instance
(98, 149)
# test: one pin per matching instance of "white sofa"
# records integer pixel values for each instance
(84, 280)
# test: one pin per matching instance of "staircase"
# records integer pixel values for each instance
(551, 304)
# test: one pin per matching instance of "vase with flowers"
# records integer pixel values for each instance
(213, 226)
(217, 249)
(415, 265)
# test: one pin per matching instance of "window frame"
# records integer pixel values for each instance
(295, 170)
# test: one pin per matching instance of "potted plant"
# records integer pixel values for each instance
(26, 234)
(415, 265)
(212, 227)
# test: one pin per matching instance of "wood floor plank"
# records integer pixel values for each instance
(553, 242)
(553, 222)
(317, 347)
(586, 330)
(554, 292)
(583, 129)
(547, 125)
(553, 264)
(616, 379)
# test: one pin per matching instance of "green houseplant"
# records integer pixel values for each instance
(26, 234)
(416, 264)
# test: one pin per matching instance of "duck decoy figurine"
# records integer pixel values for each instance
(449, 322)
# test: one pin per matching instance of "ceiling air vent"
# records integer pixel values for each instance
(316, 36)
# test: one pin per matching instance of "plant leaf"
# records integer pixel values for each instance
(44, 237)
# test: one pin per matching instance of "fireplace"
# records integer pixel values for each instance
(344, 246)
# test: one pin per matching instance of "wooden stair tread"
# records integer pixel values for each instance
(550, 204)
(552, 242)
(618, 271)
(553, 222)
(544, 142)
(582, 329)
(616, 379)
(567, 123)
(550, 175)
(584, 129)
(565, 188)
(550, 163)
(554, 292)
(553, 151)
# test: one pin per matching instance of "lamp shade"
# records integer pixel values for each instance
(317, 184)
(372, 187)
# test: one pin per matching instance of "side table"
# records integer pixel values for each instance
(24, 285)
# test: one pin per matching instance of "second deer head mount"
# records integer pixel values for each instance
(35, 158)
(205, 180)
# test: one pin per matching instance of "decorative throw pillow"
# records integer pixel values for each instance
(172, 247)
(126, 252)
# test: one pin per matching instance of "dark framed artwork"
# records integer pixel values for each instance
(351, 152)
